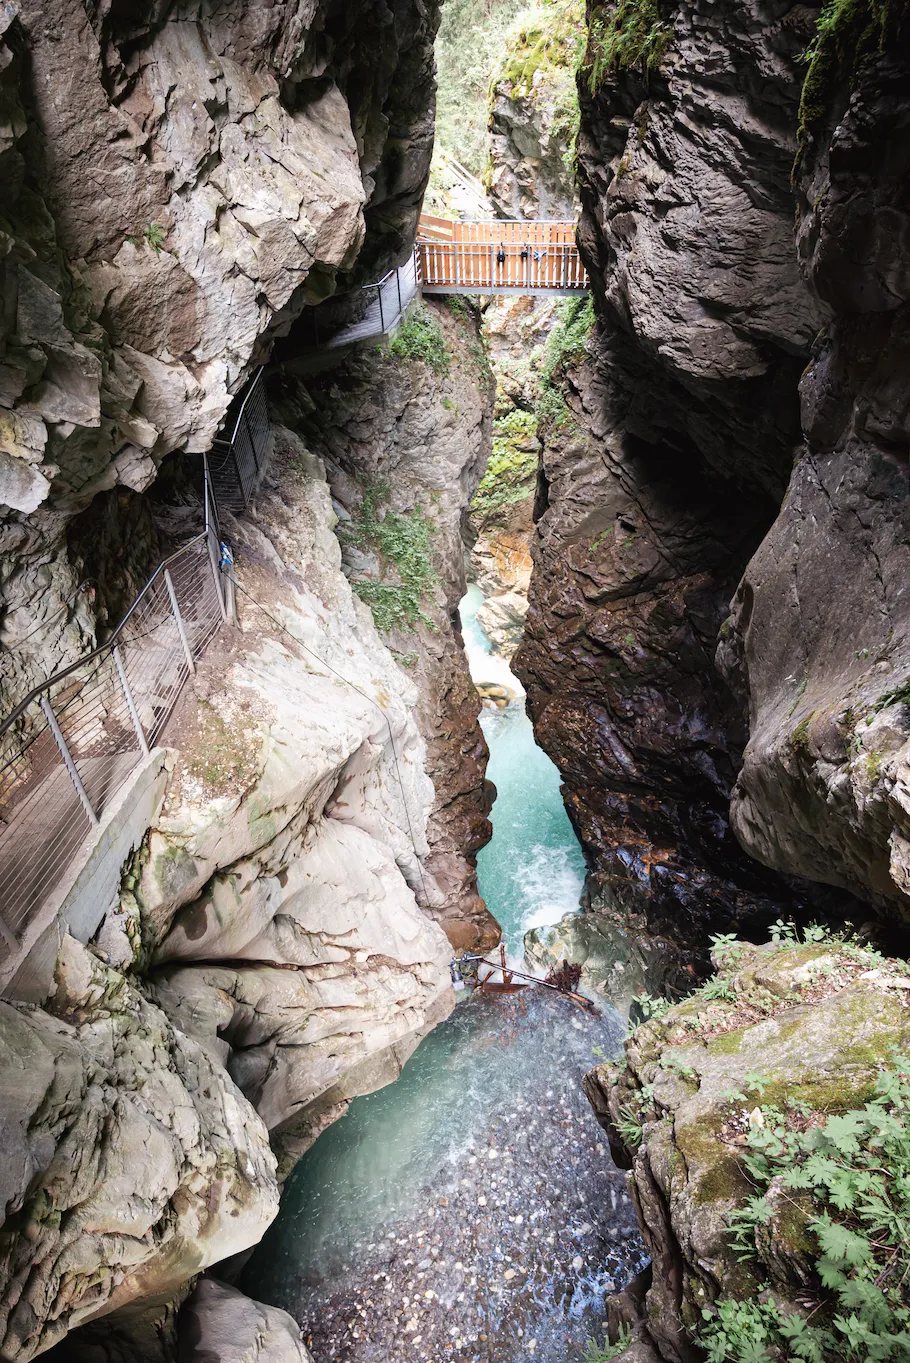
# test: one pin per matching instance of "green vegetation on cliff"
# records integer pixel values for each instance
(542, 51)
(566, 345)
(546, 38)
(847, 1182)
(847, 33)
(633, 33)
(771, 1110)
(420, 338)
(512, 470)
(401, 542)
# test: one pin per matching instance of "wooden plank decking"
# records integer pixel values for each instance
(497, 256)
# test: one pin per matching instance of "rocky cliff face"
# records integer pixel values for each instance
(675, 451)
(516, 331)
(271, 928)
(184, 184)
(719, 1103)
(534, 115)
(180, 184)
(405, 437)
(819, 631)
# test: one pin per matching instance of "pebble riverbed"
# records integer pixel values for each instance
(470, 1212)
(508, 1246)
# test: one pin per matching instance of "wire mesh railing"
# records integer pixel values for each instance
(384, 305)
(71, 744)
(236, 462)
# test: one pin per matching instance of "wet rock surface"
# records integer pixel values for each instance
(507, 1250)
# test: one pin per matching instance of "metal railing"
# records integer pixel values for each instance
(70, 745)
(236, 463)
(499, 256)
(385, 303)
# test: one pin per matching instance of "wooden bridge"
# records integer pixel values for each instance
(497, 256)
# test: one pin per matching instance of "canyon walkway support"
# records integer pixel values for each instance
(487, 257)
(499, 257)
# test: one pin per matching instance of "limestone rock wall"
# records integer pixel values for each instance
(405, 444)
(534, 114)
(181, 181)
(131, 1159)
(278, 897)
(516, 331)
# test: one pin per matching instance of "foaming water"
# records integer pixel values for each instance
(532, 871)
(470, 1212)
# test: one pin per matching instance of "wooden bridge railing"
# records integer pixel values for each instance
(497, 256)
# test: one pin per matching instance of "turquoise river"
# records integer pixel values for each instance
(470, 1212)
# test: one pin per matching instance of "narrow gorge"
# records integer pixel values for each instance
(455, 786)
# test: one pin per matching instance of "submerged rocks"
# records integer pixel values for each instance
(493, 1227)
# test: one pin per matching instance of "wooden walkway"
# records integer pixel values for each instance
(499, 257)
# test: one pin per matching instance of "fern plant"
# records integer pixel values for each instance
(602, 1353)
(851, 1176)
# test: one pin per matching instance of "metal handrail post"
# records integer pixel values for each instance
(249, 436)
(213, 536)
(381, 313)
(398, 286)
(68, 759)
(9, 936)
(127, 694)
(239, 472)
(179, 619)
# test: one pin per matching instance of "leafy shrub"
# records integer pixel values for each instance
(602, 1353)
(420, 338)
(567, 342)
(153, 234)
(847, 1181)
